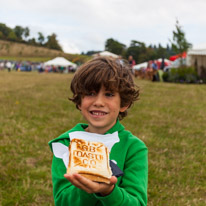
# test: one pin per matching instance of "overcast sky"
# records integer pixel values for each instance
(85, 25)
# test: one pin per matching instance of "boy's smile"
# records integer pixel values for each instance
(101, 110)
(98, 113)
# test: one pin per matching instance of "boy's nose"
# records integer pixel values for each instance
(99, 101)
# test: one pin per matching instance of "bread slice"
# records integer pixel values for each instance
(89, 159)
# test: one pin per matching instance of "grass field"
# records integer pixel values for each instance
(169, 118)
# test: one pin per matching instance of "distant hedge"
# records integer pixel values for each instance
(181, 75)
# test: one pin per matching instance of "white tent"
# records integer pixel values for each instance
(145, 64)
(139, 66)
(165, 60)
(106, 53)
(196, 57)
(60, 61)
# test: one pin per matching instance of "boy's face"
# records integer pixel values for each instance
(101, 110)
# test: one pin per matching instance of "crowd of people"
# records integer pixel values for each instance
(153, 70)
(19, 65)
(57, 69)
(28, 66)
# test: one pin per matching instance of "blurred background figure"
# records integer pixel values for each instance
(8, 66)
(131, 63)
(162, 64)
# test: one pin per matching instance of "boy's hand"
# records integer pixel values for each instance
(90, 186)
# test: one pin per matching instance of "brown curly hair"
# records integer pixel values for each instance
(114, 74)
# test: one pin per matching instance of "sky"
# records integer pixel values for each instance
(85, 25)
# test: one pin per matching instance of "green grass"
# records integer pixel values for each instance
(169, 118)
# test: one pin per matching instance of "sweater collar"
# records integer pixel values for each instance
(116, 128)
(81, 127)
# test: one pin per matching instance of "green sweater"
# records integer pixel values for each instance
(130, 153)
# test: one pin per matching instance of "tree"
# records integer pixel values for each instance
(41, 38)
(180, 44)
(18, 30)
(12, 36)
(26, 32)
(32, 41)
(138, 50)
(90, 53)
(4, 31)
(52, 42)
(161, 51)
(1, 35)
(114, 46)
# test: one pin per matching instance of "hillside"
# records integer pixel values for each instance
(21, 50)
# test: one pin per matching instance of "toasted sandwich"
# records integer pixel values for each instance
(89, 159)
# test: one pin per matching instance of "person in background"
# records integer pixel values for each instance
(155, 71)
(131, 63)
(162, 64)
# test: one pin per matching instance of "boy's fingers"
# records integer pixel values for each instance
(92, 187)
(76, 182)
(113, 180)
(72, 180)
(88, 185)
(82, 182)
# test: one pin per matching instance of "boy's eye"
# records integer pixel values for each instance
(109, 94)
(90, 94)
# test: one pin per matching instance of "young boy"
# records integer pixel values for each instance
(103, 90)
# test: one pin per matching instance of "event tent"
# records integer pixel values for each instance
(158, 62)
(60, 61)
(140, 66)
(106, 53)
(197, 59)
(167, 61)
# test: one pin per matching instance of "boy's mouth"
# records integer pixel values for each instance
(98, 113)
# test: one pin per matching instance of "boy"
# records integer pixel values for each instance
(103, 90)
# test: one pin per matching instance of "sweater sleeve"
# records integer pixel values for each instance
(132, 189)
(64, 192)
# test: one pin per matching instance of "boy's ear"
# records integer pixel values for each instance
(122, 109)
(79, 107)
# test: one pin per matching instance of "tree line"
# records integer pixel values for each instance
(142, 53)
(137, 49)
(22, 34)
